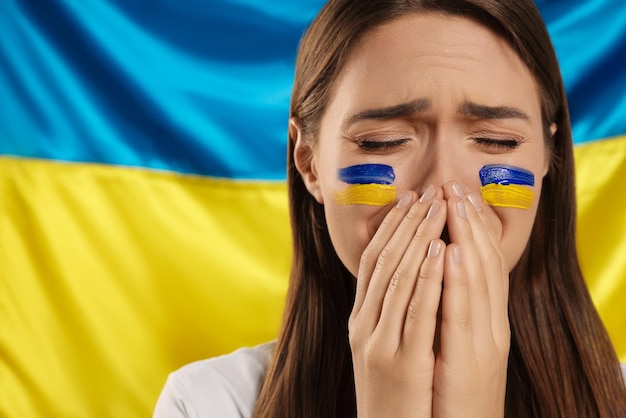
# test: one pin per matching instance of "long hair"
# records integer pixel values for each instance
(561, 361)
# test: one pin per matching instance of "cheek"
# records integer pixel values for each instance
(356, 200)
(351, 228)
(517, 225)
(514, 195)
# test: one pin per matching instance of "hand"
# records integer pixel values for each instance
(392, 325)
(471, 365)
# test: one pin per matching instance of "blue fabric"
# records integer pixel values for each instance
(590, 41)
(203, 87)
(192, 86)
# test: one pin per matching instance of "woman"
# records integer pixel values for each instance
(432, 203)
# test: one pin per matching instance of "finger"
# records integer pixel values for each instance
(487, 214)
(496, 271)
(456, 323)
(487, 231)
(402, 284)
(368, 259)
(479, 295)
(421, 314)
(382, 256)
(487, 236)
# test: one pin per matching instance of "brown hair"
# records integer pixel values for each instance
(561, 361)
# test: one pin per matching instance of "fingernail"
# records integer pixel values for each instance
(429, 193)
(457, 189)
(476, 202)
(456, 255)
(433, 249)
(460, 207)
(405, 200)
(434, 208)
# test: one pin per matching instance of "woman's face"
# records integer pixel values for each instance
(436, 98)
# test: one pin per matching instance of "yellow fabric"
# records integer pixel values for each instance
(110, 278)
(601, 192)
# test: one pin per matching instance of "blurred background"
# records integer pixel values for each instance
(143, 207)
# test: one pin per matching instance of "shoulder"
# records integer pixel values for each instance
(225, 386)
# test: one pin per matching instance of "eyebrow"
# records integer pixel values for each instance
(421, 105)
(391, 112)
(492, 112)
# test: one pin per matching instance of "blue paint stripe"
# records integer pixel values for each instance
(367, 174)
(504, 174)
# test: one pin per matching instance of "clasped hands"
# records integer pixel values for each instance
(429, 330)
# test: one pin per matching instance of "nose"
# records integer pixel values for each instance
(445, 163)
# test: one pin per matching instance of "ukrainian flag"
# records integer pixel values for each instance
(143, 207)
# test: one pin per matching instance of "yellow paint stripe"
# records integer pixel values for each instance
(508, 195)
(366, 194)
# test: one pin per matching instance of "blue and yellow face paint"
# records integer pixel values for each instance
(506, 186)
(368, 184)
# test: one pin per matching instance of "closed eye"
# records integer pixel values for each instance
(376, 145)
(503, 144)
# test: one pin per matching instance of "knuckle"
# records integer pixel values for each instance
(396, 277)
(368, 260)
(459, 320)
(463, 321)
(423, 275)
(353, 338)
(393, 283)
(354, 335)
(503, 338)
(411, 309)
(419, 233)
(363, 263)
(381, 261)
(365, 258)
(385, 223)
(504, 270)
(414, 213)
(426, 272)
(377, 355)
(351, 321)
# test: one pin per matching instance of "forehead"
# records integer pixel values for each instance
(426, 54)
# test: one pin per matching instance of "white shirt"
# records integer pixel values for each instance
(220, 387)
